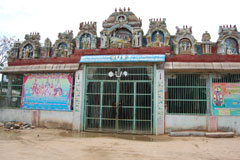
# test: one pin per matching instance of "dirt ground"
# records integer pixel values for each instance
(53, 144)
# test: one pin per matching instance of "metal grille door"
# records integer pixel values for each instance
(119, 99)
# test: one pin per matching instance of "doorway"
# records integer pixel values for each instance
(119, 99)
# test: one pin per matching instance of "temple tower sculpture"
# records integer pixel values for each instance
(31, 47)
(64, 46)
(184, 41)
(87, 37)
(13, 53)
(46, 51)
(157, 35)
(122, 29)
(229, 40)
(206, 44)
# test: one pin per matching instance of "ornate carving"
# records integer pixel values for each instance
(34, 36)
(206, 37)
(63, 47)
(137, 39)
(104, 40)
(229, 40)
(122, 30)
(121, 38)
(184, 42)
(31, 47)
(206, 43)
(47, 49)
(87, 37)
(14, 51)
(157, 35)
(184, 31)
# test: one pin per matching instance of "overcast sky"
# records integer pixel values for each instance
(49, 17)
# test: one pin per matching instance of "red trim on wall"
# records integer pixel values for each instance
(203, 58)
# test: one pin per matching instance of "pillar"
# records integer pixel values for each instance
(9, 91)
(78, 98)
(159, 109)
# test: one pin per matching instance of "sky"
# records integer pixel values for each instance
(49, 17)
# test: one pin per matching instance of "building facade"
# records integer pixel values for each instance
(125, 81)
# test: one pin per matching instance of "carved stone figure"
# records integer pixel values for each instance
(84, 42)
(120, 28)
(184, 42)
(46, 50)
(88, 42)
(14, 51)
(158, 40)
(185, 46)
(63, 47)
(87, 37)
(229, 40)
(137, 40)
(158, 33)
(149, 42)
(104, 41)
(30, 48)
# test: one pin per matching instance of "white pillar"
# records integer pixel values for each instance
(159, 105)
(78, 97)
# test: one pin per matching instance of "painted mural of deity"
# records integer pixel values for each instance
(48, 89)
(28, 51)
(231, 46)
(185, 46)
(218, 99)
(85, 41)
(121, 38)
(157, 39)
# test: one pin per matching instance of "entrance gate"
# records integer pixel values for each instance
(119, 99)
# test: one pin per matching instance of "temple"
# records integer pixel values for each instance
(125, 81)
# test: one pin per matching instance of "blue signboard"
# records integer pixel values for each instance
(122, 58)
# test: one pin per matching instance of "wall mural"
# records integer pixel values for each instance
(231, 46)
(47, 91)
(226, 99)
(185, 46)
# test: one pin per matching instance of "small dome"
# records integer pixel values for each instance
(122, 15)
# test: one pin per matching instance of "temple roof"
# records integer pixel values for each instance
(122, 16)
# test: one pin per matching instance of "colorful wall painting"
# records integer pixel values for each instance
(51, 91)
(226, 99)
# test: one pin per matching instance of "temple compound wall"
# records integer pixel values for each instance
(125, 81)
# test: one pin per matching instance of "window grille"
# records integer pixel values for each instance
(11, 91)
(187, 93)
(226, 78)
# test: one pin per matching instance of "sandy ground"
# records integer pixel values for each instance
(52, 144)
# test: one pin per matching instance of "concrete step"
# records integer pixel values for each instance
(220, 134)
(187, 133)
(202, 134)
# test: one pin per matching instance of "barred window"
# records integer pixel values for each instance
(11, 91)
(226, 78)
(187, 93)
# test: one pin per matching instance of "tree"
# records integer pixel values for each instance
(5, 45)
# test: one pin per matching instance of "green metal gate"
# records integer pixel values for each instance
(119, 99)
